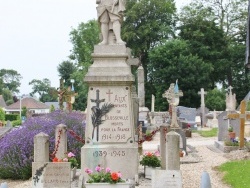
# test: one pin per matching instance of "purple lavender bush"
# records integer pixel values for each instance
(17, 147)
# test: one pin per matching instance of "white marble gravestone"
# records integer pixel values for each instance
(111, 143)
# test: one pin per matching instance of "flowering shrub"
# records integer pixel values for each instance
(151, 159)
(69, 158)
(16, 153)
(103, 176)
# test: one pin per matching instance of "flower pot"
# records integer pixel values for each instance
(126, 184)
(148, 171)
(73, 173)
(231, 135)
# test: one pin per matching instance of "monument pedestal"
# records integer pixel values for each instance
(110, 130)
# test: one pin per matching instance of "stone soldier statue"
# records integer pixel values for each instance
(110, 16)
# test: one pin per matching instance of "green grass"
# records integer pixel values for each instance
(236, 173)
(210, 133)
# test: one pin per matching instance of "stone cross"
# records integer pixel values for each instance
(243, 117)
(173, 99)
(202, 93)
(230, 100)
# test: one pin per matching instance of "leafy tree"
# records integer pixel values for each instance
(10, 79)
(231, 18)
(44, 89)
(83, 38)
(148, 23)
(7, 95)
(216, 99)
(206, 40)
(66, 69)
(173, 61)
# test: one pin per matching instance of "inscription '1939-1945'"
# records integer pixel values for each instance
(115, 153)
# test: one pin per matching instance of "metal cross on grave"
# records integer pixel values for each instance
(243, 117)
(97, 112)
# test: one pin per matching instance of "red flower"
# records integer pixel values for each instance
(114, 176)
(149, 154)
(55, 160)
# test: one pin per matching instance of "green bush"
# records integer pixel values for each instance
(2, 115)
(11, 117)
(16, 122)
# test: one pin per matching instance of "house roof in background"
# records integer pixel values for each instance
(29, 103)
(2, 102)
(56, 105)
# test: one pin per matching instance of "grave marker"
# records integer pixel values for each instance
(243, 117)
(48, 175)
(223, 125)
(166, 179)
(202, 93)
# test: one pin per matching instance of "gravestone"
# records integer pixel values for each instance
(110, 129)
(48, 175)
(166, 178)
(223, 124)
(187, 116)
(171, 177)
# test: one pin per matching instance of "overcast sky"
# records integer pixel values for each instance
(34, 35)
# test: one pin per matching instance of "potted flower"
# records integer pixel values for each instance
(150, 161)
(231, 132)
(104, 178)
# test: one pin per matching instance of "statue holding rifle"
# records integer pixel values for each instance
(110, 17)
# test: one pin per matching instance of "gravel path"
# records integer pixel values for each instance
(208, 159)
